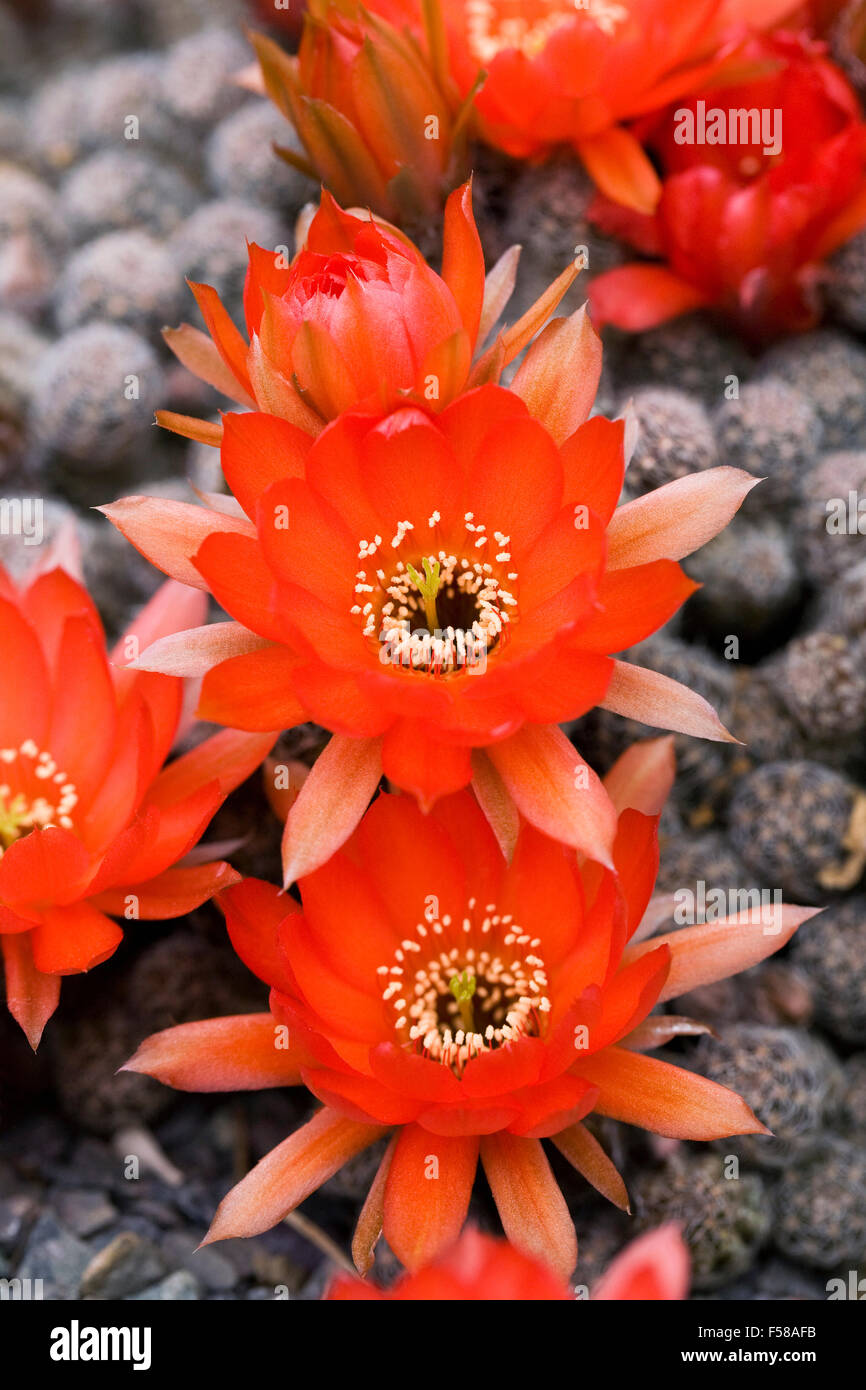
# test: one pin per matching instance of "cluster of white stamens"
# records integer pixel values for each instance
(490, 28)
(20, 810)
(508, 976)
(392, 608)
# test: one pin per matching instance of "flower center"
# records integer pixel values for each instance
(460, 989)
(34, 792)
(438, 611)
(493, 25)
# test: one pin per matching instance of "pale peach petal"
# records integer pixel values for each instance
(515, 338)
(641, 778)
(659, 1029)
(330, 804)
(660, 1256)
(199, 355)
(242, 1052)
(715, 950)
(276, 395)
(584, 1153)
(558, 378)
(195, 652)
(638, 693)
(498, 289)
(172, 607)
(559, 375)
(665, 1099)
(495, 802)
(289, 1173)
(556, 790)
(673, 520)
(170, 533)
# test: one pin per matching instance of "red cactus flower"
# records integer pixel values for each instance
(743, 229)
(358, 321)
(479, 1268)
(92, 826)
(476, 1269)
(472, 1006)
(374, 106)
(560, 73)
(655, 1266)
(428, 587)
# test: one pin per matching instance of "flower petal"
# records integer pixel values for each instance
(372, 1217)
(254, 911)
(172, 893)
(638, 693)
(74, 938)
(200, 355)
(642, 776)
(665, 1099)
(253, 691)
(530, 1205)
(31, 997)
(427, 1193)
(497, 805)
(198, 650)
(243, 1052)
(558, 378)
(584, 1153)
(556, 790)
(714, 951)
(620, 168)
(289, 1173)
(672, 521)
(655, 1266)
(330, 804)
(170, 533)
(640, 296)
(463, 259)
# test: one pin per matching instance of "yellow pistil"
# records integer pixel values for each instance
(11, 815)
(428, 588)
(463, 987)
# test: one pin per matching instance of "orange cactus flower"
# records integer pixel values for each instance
(439, 591)
(559, 73)
(745, 226)
(374, 106)
(92, 826)
(474, 1007)
(479, 1268)
(359, 321)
